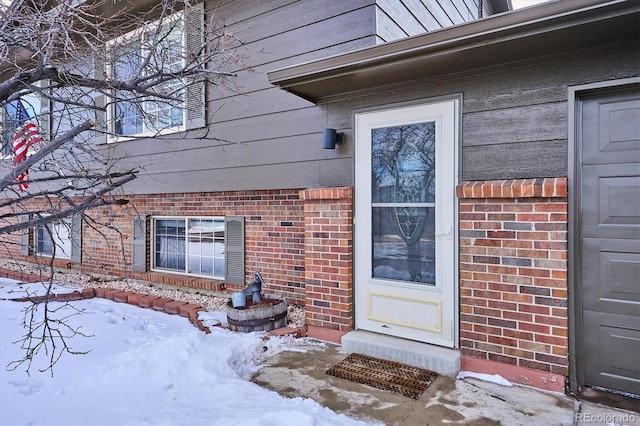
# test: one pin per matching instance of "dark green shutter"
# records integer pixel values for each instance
(195, 92)
(25, 246)
(100, 100)
(76, 238)
(139, 252)
(44, 117)
(234, 249)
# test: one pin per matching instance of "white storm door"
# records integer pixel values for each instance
(405, 222)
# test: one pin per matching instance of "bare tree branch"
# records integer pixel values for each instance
(82, 67)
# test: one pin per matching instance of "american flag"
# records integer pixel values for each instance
(26, 135)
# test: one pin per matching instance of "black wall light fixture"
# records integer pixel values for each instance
(330, 138)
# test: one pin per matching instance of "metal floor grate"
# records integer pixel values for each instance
(386, 375)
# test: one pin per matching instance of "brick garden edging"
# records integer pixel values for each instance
(148, 301)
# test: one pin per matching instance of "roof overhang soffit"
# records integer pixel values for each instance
(547, 29)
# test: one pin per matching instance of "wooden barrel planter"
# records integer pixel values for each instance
(266, 315)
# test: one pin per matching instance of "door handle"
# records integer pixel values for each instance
(446, 234)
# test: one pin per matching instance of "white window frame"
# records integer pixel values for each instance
(186, 220)
(63, 245)
(130, 38)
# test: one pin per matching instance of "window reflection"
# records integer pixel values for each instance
(403, 195)
(190, 245)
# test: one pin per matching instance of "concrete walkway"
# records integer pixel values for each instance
(446, 401)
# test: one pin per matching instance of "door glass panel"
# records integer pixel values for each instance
(403, 203)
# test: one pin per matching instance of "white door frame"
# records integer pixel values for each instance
(444, 332)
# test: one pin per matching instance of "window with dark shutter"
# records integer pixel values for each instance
(164, 43)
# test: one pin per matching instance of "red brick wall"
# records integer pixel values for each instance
(10, 244)
(329, 257)
(274, 229)
(513, 272)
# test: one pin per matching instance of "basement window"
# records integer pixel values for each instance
(54, 239)
(189, 245)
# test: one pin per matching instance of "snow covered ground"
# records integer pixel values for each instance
(145, 367)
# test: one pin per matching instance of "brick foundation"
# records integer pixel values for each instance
(513, 263)
(513, 278)
(299, 240)
(274, 244)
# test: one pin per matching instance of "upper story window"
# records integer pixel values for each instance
(156, 50)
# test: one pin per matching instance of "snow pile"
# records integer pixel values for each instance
(493, 378)
(145, 367)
